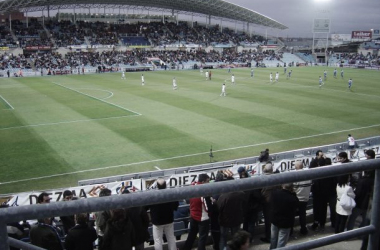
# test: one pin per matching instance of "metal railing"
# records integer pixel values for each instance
(14, 214)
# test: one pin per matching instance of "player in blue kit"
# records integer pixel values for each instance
(349, 84)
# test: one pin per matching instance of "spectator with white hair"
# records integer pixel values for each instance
(267, 207)
(302, 190)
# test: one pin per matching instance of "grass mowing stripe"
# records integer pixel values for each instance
(112, 104)
(6, 102)
(66, 122)
(189, 155)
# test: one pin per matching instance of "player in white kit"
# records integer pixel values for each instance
(174, 84)
(223, 90)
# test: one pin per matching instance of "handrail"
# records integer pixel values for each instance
(39, 211)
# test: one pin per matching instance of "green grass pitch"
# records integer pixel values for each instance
(57, 130)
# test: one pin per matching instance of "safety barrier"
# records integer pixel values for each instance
(13, 214)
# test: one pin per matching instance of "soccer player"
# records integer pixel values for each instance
(142, 80)
(335, 73)
(252, 72)
(201, 70)
(123, 75)
(276, 77)
(174, 84)
(223, 90)
(270, 77)
(206, 75)
(320, 81)
(349, 83)
(285, 68)
(229, 69)
(325, 75)
(341, 73)
(290, 73)
(233, 79)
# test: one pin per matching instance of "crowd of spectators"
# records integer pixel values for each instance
(223, 215)
(13, 61)
(65, 33)
(114, 58)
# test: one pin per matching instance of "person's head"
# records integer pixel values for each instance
(81, 218)
(342, 157)
(105, 192)
(161, 183)
(370, 154)
(288, 186)
(43, 198)
(203, 178)
(298, 165)
(268, 168)
(219, 176)
(343, 180)
(67, 195)
(319, 154)
(242, 172)
(239, 241)
(349, 135)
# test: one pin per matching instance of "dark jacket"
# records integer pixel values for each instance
(284, 206)
(140, 221)
(80, 237)
(363, 192)
(119, 235)
(231, 207)
(68, 222)
(45, 236)
(162, 214)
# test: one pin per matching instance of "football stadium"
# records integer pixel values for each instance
(170, 95)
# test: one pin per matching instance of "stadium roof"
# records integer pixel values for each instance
(214, 8)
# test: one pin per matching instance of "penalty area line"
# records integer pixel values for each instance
(184, 156)
(7, 102)
(115, 105)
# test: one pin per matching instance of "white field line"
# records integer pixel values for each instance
(7, 102)
(184, 156)
(66, 122)
(96, 98)
(157, 168)
(111, 93)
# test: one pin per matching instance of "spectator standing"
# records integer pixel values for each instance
(231, 207)
(351, 145)
(45, 235)
(67, 221)
(302, 190)
(162, 216)
(199, 217)
(81, 236)
(119, 233)
(267, 206)
(343, 187)
(324, 193)
(253, 198)
(101, 219)
(284, 205)
(140, 221)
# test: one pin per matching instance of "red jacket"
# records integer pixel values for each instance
(200, 208)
